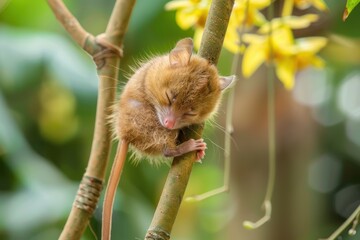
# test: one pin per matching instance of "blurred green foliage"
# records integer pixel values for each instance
(48, 90)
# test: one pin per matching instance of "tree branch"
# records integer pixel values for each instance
(72, 26)
(176, 182)
(106, 50)
(215, 29)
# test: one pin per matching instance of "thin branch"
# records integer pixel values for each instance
(173, 192)
(235, 69)
(272, 134)
(119, 21)
(72, 25)
(106, 50)
(253, 225)
(176, 182)
(354, 218)
(227, 142)
(215, 29)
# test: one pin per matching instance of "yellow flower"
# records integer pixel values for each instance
(289, 55)
(293, 22)
(304, 4)
(191, 13)
(249, 9)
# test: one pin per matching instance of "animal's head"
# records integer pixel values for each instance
(189, 88)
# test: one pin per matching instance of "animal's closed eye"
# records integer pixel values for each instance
(168, 98)
(190, 114)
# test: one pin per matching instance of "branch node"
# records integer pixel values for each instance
(157, 234)
(108, 50)
(88, 194)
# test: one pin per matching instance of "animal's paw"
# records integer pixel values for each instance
(199, 146)
(191, 145)
(196, 145)
(199, 156)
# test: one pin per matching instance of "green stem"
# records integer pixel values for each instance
(353, 217)
(272, 155)
(271, 136)
(228, 122)
(227, 143)
(235, 69)
(271, 115)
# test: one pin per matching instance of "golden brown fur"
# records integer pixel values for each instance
(164, 95)
(191, 82)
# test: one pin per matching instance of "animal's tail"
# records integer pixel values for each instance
(113, 182)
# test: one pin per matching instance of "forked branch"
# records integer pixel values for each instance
(106, 51)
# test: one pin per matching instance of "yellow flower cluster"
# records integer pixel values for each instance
(191, 13)
(289, 55)
(273, 41)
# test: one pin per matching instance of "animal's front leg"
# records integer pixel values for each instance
(190, 145)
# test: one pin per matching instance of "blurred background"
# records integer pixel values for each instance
(48, 91)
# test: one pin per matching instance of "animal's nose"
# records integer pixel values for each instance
(169, 122)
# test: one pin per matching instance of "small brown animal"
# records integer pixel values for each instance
(164, 95)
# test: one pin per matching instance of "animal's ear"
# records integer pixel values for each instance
(226, 81)
(181, 54)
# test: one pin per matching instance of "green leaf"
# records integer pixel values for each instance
(350, 5)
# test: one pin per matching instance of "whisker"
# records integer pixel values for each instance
(214, 144)
(223, 129)
(217, 125)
